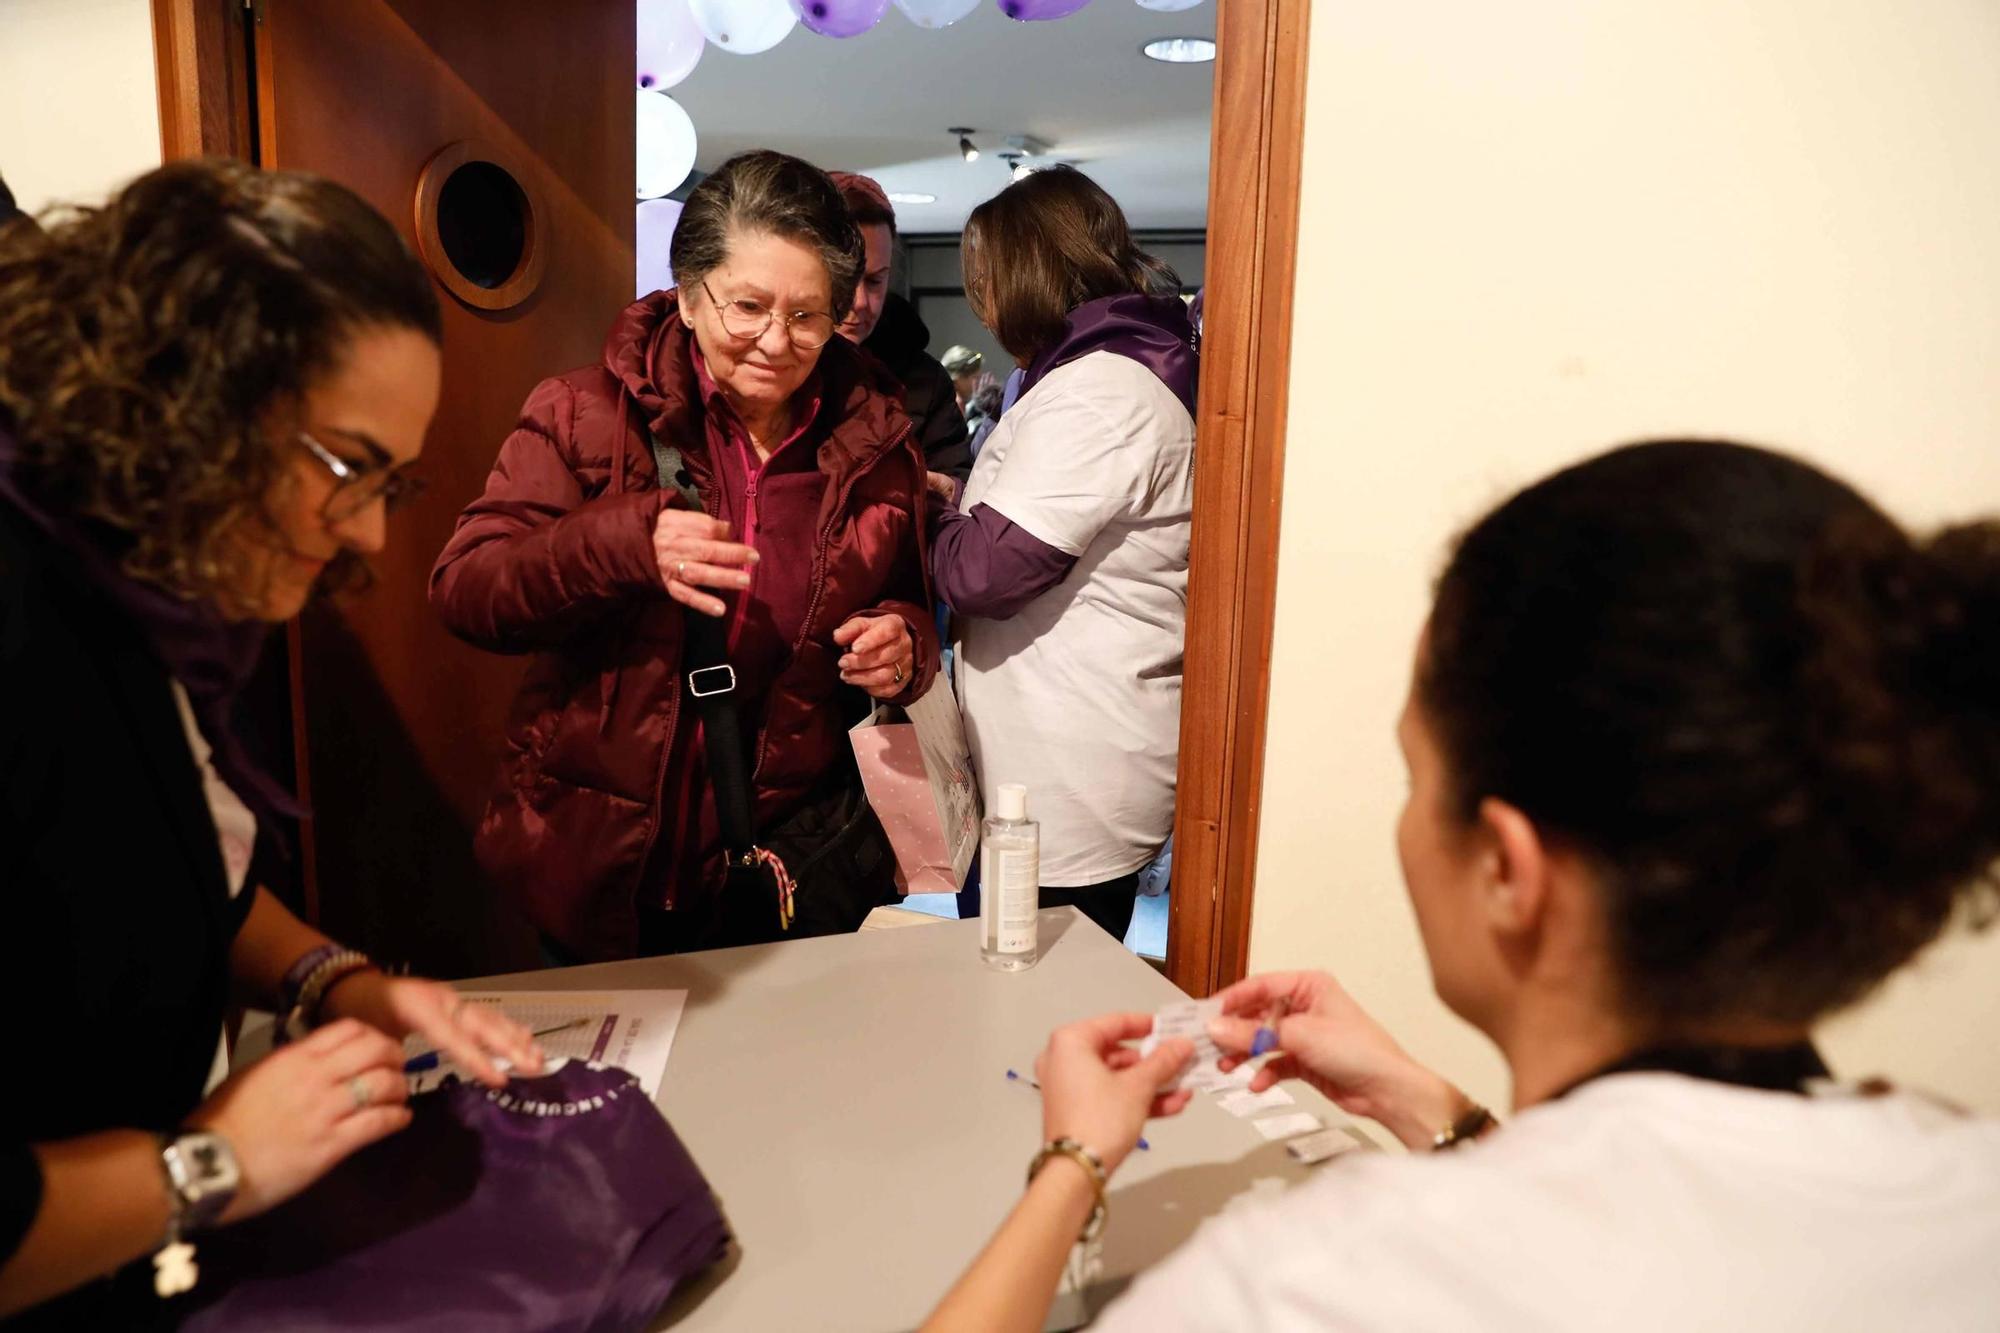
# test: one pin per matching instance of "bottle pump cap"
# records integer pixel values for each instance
(1013, 801)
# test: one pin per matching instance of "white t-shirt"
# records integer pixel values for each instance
(1640, 1201)
(235, 826)
(235, 834)
(1079, 695)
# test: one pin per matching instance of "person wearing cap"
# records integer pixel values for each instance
(888, 327)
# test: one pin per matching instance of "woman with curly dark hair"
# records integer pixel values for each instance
(211, 390)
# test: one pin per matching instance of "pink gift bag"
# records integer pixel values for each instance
(918, 773)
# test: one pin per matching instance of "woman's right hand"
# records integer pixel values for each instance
(1325, 1038)
(292, 1116)
(1099, 1091)
(694, 551)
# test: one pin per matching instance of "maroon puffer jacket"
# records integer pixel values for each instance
(556, 558)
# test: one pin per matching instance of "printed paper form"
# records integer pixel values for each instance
(632, 1029)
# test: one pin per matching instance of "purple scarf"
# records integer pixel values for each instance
(1153, 330)
(211, 657)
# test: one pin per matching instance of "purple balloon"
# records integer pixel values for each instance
(841, 18)
(653, 242)
(1034, 11)
(670, 42)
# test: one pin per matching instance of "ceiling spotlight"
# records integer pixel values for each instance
(966, 149)
(1016, 167)
(1180, 50)
(911, 197)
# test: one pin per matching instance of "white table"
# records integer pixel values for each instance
(847, 1098)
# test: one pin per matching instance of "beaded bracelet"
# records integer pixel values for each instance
(299, 972)
(1093, 1165)
(325, 974)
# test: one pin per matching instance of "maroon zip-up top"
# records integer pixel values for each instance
(556, 559)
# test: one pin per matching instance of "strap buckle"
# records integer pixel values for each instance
(705, 682)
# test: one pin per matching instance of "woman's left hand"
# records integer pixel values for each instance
(469, 1035)
(881, 655)
(1099, 1091)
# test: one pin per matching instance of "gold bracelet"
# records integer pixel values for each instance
(1093, 1166)
(1464, 1129)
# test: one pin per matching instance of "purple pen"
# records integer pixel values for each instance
(1013, 1077)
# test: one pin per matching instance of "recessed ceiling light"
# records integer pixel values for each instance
(1180, 50)
(911, 197)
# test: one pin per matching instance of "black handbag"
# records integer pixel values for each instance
(825, 866)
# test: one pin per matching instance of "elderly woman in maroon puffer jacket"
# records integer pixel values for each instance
(808, 548)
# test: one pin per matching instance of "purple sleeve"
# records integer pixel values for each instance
(983, 565)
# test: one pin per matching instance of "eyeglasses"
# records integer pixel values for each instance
(748, 319)
(355, 488)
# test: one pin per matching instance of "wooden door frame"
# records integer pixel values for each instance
(202, 69)
(202, 63)
(1253, 208)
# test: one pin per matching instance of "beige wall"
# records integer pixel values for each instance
(79, 110)
(1533, 230)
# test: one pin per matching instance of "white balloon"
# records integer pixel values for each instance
(670, 43)
(653, 243)
(666, 144)
(936, 13)
(744, 27)
(1168, 6)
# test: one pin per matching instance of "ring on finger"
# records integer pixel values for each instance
(899, 673)
(681, 570)
(357, 1088)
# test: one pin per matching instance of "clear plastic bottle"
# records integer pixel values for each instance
(1010, 883)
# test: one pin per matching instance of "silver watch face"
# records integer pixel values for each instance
(208, 1177)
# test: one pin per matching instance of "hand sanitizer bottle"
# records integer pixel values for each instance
(1010, 883)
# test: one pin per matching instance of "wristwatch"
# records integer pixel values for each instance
(202, 1178)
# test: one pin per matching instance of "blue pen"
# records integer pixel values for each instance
(1013, 1077)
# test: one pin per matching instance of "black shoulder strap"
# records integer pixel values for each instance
(673, 472)
(709, 684)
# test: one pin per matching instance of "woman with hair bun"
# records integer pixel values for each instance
(1702, 747)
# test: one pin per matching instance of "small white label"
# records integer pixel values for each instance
(1243, 1102)
(1011, 877)
(1319, 1147)
(1288, 1126)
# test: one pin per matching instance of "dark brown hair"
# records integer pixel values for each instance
(1041, 248)
(1767, 717)
(143, 344)
(771, 194)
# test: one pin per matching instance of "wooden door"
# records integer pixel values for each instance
(401, 723)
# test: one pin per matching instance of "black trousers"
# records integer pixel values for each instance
(1108, 904)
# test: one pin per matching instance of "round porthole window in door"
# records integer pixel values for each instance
(481, 226)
